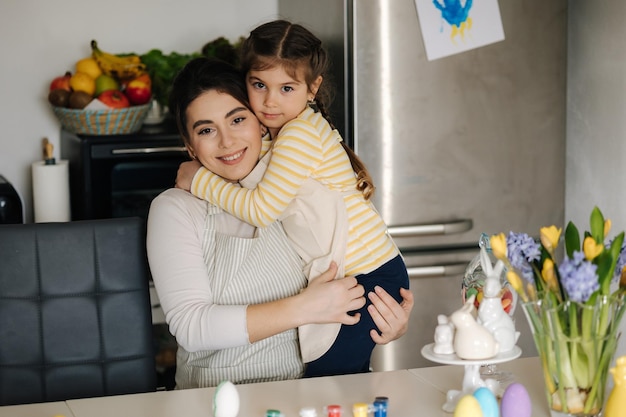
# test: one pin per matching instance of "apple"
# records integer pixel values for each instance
(105, 82)
(139, 90)
(62, 82)
(507, 300)
(114, 99)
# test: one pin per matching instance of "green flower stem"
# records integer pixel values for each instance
(580, 360)
(603, 365)
(608, 350)
(563, 358)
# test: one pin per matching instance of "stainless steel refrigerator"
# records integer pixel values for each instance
(470, 143)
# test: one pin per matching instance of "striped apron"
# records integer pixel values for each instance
(247, 271)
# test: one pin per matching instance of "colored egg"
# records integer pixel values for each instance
(468, 406)
(226, 400)
(488, 402)
(515, 401)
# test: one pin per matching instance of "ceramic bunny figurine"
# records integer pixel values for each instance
(444, 336)
(472, 341)
(616, 402)
(491, 314)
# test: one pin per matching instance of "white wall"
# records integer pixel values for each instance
(42, 39)
(596, 112)
(596, 115)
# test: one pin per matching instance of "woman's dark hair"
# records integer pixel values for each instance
(199, 76)
(280, 43)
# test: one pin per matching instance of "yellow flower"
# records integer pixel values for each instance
(548, 275)
(498, 246)
(591, 248)
(516, 283)
(550, 237)
(531, 290)
(607, 227)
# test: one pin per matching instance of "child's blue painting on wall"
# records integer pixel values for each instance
(453, 26)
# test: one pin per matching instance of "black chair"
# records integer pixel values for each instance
(75, 318)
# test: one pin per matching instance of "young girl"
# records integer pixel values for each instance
(329, 218)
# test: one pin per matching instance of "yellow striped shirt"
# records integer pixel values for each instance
(305, 147)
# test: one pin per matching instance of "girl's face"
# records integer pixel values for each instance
(223, 134)
(276, 97)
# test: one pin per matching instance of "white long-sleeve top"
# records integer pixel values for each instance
(175, 231)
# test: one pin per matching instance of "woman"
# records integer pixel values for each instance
(233, 294)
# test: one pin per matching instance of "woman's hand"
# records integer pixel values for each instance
(391, 317)
(186, 172)
(328, 300)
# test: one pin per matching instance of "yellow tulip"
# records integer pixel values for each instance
(550, 237)
(591, 248)
(498, 246)
(607, 227)
(531, 290)
(516, 283)
(548, 275)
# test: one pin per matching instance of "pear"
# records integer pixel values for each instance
(105, 82)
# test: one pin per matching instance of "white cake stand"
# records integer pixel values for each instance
(471, 378)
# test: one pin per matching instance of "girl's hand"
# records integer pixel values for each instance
(185, 174)
(391, 317)
(328, 300)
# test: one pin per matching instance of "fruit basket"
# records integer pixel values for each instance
(102, 122)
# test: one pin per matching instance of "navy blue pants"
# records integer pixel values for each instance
(351, 352)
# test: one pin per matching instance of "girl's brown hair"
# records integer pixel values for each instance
(292, 46)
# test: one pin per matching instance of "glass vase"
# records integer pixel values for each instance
(576, 343)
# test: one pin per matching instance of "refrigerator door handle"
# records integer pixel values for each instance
(448, 228)
(457, 269)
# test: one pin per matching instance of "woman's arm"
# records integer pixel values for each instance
(175, 232)
(325, 300)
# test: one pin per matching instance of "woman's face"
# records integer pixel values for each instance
(223, 134)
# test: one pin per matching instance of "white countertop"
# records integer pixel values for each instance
(526, 371)
(37, 410)
(411, 392)
(407, 395)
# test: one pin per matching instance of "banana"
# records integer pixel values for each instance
(120, 67)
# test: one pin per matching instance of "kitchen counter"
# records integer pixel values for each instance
(420, 391)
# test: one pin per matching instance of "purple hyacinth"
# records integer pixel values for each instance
(621, 260)
(522, 250)
(578, 277)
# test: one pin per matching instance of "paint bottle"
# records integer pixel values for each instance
(360, 409)
(333, 410)
(308, 412)
(380, 406)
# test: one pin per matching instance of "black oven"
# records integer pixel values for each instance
(119, 175)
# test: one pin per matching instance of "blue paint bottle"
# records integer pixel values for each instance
(380, 406)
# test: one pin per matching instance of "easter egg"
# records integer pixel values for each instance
(515, 401)
(488, 402)
(468, 406)
(226, 400)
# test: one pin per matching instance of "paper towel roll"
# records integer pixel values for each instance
(51, 192)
